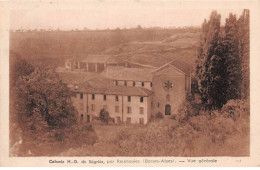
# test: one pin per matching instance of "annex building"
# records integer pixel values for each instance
(130, 94)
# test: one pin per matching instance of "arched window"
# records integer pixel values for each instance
(167, 109)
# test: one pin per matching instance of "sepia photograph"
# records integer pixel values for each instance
(129, 79)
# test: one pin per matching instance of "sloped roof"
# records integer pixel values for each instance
(95, 59)
(98, 84)
(178, 64)
(113, 90)
(124, 73)
(183, 66)
(75, 77)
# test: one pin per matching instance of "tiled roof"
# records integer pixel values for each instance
(183, 66)
(180, 65)
(95, 59)
(75, 77)
(96, 83)
(123, 73)
(113, 90)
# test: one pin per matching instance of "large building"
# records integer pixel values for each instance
(130, 95)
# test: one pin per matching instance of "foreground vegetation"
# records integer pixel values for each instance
(222, 133)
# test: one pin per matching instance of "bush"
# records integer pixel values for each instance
(104, 116)
(188, 109)
(236, 109)
(159, 115)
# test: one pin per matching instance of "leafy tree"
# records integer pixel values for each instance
(104, 116)
(43, 91)
(40, 107)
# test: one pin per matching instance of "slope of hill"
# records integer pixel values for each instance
(147, 46)
(182, 46)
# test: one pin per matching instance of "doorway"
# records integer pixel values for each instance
(167, 109)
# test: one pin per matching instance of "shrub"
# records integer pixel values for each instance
(158, 115)
(236, 109)
(188, 109)
(104, 116)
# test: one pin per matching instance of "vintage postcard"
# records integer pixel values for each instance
(129, 83)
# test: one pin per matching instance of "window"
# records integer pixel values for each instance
(128, 109)
(133, 83)
(93, 107)
(151, 84)
(81, 117)
(93, 96)
(125, 83)
(141, 110)
(105, 97)
(158, 104)
(141, 99)
(142, 84)
(116, 83)
(117, 109)
(129, 99)
(81, 106)
(118, 119)
(141, 120)
(81, 95)
(116, 98)
(167, 109)
(88, 118)
(168, 97)
(128, 120)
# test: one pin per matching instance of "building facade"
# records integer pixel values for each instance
(132, 95)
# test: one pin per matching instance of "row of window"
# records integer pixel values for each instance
(125, 83)
(129, 109)
(128, 119)
(116, 98)
(141, 120)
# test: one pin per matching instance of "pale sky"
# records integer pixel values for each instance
(105, 15)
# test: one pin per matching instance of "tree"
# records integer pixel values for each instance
(210, 71)
(233, 59)
(244, 46)
(104, 116)
(40, 107)
(42, 90)
(223, 66)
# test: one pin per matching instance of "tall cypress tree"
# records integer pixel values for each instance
(233, 59)
(244, 45)
(223, 70)
(210, 71)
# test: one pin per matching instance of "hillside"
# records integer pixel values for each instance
(150, 46)
(182, 46)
